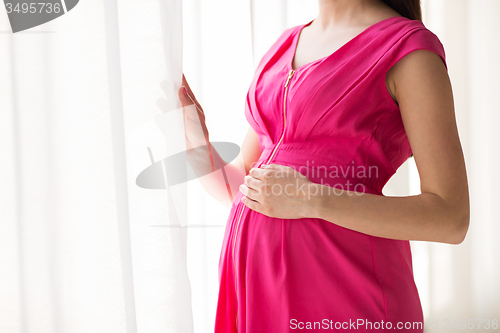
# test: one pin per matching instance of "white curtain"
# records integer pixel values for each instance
(83, 248)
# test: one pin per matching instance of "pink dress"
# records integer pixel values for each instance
(325, 119)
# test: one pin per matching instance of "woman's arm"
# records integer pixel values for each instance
(440, 213)
(213, 182)
(219, 179)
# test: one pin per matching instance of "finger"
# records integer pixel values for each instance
(187, 100)
(253, 205)
(256, 173)
(188, 88)
(250, 193)
(192, 113)
(252, 182)
(186, 84)
(190, 92)
(167, 85)
(190, 109)
(195, 102)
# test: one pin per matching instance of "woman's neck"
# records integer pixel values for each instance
(340, 12)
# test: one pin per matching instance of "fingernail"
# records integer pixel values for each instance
(185, 90)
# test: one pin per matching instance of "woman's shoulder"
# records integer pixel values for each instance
(410, 35)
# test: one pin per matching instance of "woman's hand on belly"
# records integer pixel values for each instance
(277, 191)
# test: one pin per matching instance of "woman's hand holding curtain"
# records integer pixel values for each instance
(201, 155)
(194, 118)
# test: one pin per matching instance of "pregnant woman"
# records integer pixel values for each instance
(335, 107)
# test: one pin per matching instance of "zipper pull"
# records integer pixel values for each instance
(289, 77)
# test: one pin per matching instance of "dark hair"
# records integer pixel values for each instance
(407, 8)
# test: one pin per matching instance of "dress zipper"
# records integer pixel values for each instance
(290, 74)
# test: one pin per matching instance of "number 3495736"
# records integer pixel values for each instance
(39, 7)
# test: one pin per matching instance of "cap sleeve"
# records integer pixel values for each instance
(421, 39)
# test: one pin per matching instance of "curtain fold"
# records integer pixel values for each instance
(119, 159)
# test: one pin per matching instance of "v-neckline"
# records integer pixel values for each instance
(299, 31)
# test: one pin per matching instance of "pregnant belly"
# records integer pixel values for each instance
(312, 268)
